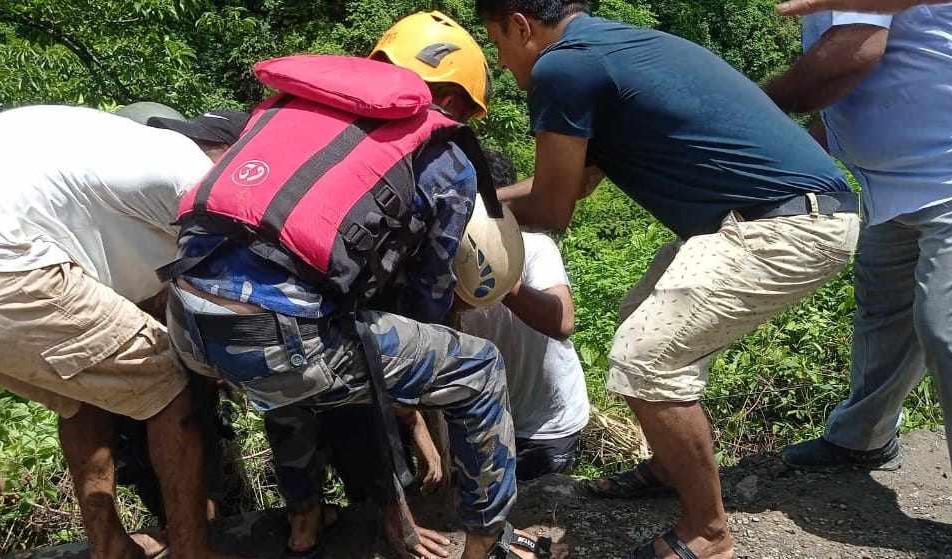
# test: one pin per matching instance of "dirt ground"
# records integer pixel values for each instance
(775, 513)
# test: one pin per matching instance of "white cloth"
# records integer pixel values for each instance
(546, 384)
(894, 131)
(89, 187)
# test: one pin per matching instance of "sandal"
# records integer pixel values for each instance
(647, 551)
(630, 484)
(540, 548)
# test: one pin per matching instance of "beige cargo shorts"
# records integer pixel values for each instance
(68, 339)
(698, 297)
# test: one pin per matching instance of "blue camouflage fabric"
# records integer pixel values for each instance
(425, 364)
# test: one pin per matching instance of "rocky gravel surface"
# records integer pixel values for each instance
(775, 513)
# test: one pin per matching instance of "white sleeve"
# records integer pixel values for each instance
(187, 165)
(543, 268)
(849, 18)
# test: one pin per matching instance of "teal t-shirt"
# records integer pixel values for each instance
(678, 129)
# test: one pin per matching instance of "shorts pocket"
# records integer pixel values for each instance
(97, 342)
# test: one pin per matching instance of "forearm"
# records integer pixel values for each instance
(531, 213)
(804, 7)
(543, 311)
(830, 69)
(799, 92)
(516, 191)
(593, 177)
(547, 200)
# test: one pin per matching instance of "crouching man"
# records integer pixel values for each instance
(341, 180)
(531, 326)
(84, 219)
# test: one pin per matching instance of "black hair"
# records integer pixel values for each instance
(549, 12)
(500, 167)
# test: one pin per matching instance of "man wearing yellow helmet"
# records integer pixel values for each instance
(446, 56)
(423, 364)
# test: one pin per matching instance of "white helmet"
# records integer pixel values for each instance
(489, 261)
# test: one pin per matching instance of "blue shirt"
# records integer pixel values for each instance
(674, 126)
(894, 130)
(445, 192)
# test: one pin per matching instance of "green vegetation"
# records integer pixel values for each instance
(774, 386)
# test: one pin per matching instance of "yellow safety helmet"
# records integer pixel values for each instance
(439, 50)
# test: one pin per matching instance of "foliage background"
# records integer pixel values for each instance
(774, 386)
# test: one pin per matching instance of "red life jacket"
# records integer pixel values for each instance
(321, 181)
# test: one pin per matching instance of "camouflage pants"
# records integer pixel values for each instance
(425, 365)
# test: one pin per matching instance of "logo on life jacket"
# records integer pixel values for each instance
(251, 173)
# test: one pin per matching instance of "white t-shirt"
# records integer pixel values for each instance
(546, 383)
(84, 186)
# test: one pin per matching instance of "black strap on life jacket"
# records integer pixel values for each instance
(298, 185)
(465, 138)
(378, 390)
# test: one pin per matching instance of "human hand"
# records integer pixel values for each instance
(804, 7)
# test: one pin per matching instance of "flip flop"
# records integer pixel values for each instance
(630, 484)
(647, 551)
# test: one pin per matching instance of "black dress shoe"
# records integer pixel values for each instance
(821, 454)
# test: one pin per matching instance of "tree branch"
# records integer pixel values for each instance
(85, 55)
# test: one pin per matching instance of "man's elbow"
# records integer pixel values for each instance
(567, 325)
(869, 55)
(561, 220)
(565, 331)
(861, 47)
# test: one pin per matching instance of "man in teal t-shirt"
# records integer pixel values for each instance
(762, 214)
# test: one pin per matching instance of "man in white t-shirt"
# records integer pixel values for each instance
(531, 327)
(86, 209)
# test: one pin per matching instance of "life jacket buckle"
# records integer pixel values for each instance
(358, 237)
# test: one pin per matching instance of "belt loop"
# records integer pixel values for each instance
(293, 343)
(814, 204)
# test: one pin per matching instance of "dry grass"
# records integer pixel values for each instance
(612, 441)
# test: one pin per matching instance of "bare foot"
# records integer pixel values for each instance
(152, 541)
(307, 526)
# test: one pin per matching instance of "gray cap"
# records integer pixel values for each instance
(142, 111)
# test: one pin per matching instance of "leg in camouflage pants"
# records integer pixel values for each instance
(425, 365)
